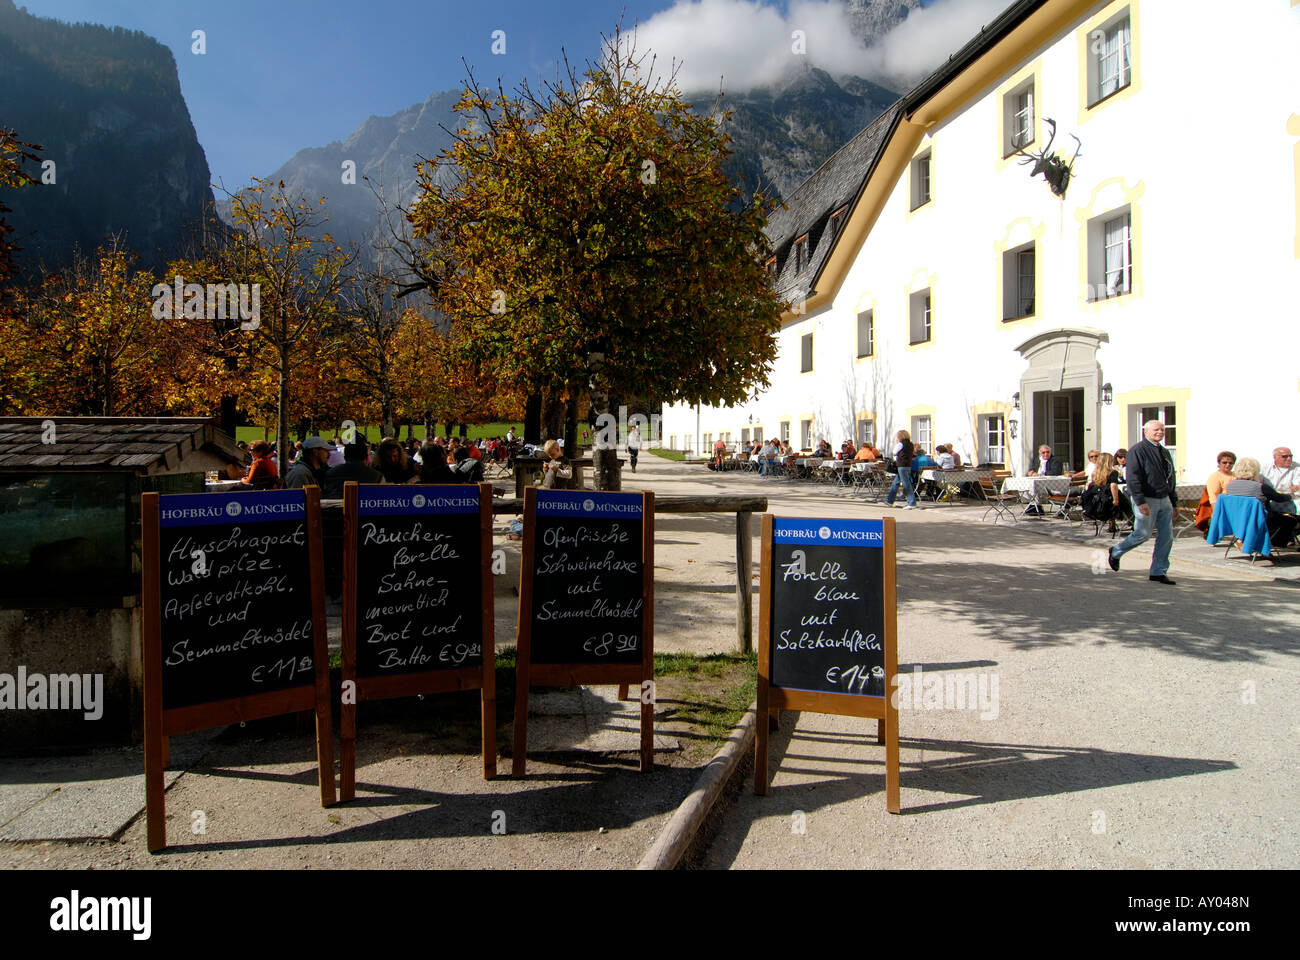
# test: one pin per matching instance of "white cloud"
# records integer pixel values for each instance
(744, 44)
(918, 45)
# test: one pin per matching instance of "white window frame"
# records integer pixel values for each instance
(805, 434)
(866, 431)
(806, 353)
(1018, 269)
(922, 179)
(1162, 410)
(785, 431)
(1110, 57)
(994, 438)
(869, 316)
(1018, 118)
(920, 328)
(1110, 254)
(923, 432)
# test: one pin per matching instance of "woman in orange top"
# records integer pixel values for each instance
(262, 473)
(1221, 477)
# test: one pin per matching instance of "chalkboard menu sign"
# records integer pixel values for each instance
(417, 601)
(828, 617)
(586, 599)
(828, 629)
(234, 622)
(419, 579)
(236, 596)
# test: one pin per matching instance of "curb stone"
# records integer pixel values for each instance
(681, 830)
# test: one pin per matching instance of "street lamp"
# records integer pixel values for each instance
(1107, 394)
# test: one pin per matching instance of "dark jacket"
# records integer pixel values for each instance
(1054, 467)
(349, 470)
(1150, 472)
(301, 475)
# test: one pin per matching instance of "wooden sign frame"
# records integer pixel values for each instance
(481, 677)
(528, 673)
(772, 699)
(160, 723)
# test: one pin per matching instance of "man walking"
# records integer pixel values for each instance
(633, 445)
(1153, 489)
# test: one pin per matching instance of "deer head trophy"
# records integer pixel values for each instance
(1054, 170)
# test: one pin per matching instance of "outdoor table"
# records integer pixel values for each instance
(951, 480)
(1036, 491)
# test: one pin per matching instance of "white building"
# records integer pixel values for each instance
(940, 288)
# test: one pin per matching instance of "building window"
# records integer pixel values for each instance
(1110, 255)
(866, 333)
(708, 442)
(672, 441)
(801, 253)
(805, 353)
(993, 439)
(837, 220)
(920, 327)
(785, 431)
(867, 432)
(1018, 283)
(1110, 58)
(1166, 413)
(1018, 118)
(921, 180)
(921, 433)
(805, 434)
(770, 266)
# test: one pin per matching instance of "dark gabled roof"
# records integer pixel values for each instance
(841, 179)
(836, 183)
(143, 445)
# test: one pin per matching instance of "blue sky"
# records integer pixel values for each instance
(281, 75)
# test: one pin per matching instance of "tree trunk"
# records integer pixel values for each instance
(533, 418)
(464, 430)
(282, 411)
(552, 422)
(571, 425)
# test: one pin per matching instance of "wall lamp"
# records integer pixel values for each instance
(1015, 399)
(1107, 394)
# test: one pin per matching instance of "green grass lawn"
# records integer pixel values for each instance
(668, 454)
(476, 431)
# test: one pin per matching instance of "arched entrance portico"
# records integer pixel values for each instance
(1060, 393)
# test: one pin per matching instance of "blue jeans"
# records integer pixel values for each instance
(1162, 518)
(904, 479)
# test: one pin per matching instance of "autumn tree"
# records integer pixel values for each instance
(12, 154)
(90, 343)
(299, 278)
(597, 243)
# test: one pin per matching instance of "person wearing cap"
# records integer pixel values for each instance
(309, 470)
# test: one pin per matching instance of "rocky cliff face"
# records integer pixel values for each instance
(105, 106)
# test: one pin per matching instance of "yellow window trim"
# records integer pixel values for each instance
(1131, 196)
(1036, 235)
(1158, 396)
(1034, 70)
(927, 146)
(1085, 32)
(1293, 128)
(929, 282)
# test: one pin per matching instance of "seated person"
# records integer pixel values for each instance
(921, 460)
(868, 453)
(433, 465)
(766, 454)
(1222, 476)
(311, 467)
(846, 450)
(1084, 476)
(1046, 465)
(262, 472)
(466, 469)
(1283, 476)
(353, 468)
(1101, 499)
(947, 460)
(394, 463)
(556, 470)
(1249, 483)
